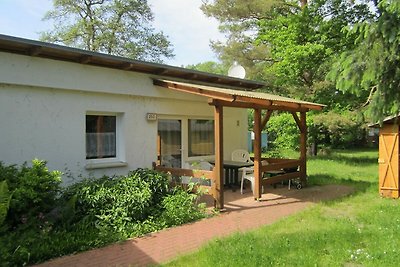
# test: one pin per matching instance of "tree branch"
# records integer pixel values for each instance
(371, 93)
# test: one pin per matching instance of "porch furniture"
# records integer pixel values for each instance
(232, 170)
(241, 155)
(248, 174)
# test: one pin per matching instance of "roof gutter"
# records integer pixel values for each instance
(34, 48)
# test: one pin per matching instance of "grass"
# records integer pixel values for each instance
(358, 230)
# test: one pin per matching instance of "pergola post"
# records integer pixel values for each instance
(257, 154)
(303, 148)
(219, 157)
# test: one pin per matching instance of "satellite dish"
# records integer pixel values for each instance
(237, 71)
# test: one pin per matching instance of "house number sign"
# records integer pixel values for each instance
(151, 116)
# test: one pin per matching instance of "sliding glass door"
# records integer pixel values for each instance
(169, 147)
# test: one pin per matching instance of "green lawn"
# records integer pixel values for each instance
(358, 230)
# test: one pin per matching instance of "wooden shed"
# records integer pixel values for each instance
(389, 157)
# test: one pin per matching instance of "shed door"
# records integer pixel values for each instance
(389, 163)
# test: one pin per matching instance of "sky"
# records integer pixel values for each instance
(187, 28)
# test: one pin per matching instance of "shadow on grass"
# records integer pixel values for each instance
(360, 160)
(325, 179)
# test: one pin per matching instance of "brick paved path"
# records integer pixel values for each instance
(243, 213)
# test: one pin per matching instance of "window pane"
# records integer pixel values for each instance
(100, 136)
(169, 133)
(201, 138)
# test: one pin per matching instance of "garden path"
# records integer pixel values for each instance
(242, 214)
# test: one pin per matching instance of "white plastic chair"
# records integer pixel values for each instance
(241, 155)
(248, 174)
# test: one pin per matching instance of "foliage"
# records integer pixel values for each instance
(298, 44)
(372, 67)
(238, 21)
(35, 191)
(88, 214)
(336, 233)
(304, 42)
(334, 130)
(179, 208)
(329, 129)
(283, 131)
(286, 43)
(117, 27)
(115, 202)
(210, 67)
(5, 196)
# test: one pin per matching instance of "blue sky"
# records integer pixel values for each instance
(188, 29)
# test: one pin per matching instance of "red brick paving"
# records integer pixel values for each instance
(242, 214)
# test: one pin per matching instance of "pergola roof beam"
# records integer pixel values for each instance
(235, 104)
(240, 98)
(194, 90)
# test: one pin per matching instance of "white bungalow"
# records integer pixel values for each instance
(88, 113)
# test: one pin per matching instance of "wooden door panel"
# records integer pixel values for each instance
(389, 164)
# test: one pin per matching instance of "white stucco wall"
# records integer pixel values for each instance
(43, 104)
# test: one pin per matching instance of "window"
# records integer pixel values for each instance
(201, 138)
(101, 136)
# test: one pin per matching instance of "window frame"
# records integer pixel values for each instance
(110, 162)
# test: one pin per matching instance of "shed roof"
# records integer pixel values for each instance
(394, 119)
(240, 98)
(33, 48)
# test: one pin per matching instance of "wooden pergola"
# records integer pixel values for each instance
(222, 97)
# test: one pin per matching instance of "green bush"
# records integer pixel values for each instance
(5, 197)
(335, 130)
(330, 129)
(88, 214)
(283, 131)
(34, 191)
(117, 201)
(179, 208)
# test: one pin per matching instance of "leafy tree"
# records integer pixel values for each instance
(371, 70)
(239, 21)
(290, 44)
(304, 43)
(117, 27)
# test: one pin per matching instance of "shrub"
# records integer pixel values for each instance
(5, 197)
(339, 130)
(34, 191)
(90, 213)
(180, 208)
(283, 131)
(327, 130)
(117, 201)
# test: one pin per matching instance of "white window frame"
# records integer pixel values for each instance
(117, 161)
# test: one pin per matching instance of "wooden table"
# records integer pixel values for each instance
(232, 171)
